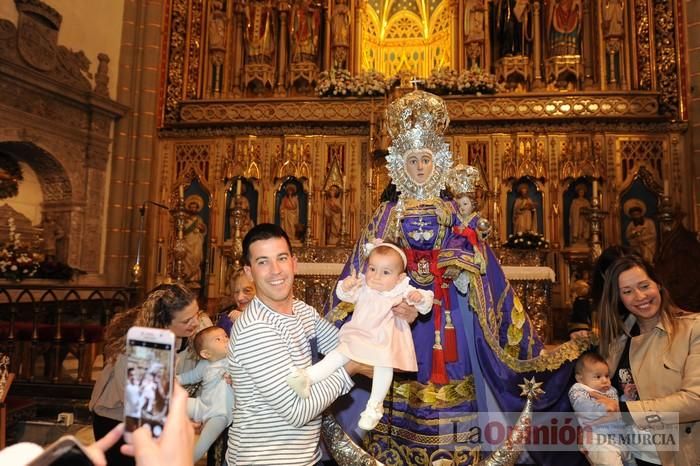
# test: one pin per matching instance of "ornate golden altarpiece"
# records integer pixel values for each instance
(238, 103)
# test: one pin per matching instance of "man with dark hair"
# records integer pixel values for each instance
(262, 232)
(271, 424)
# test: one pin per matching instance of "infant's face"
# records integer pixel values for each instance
(465, 205)
(217, 345)
(595, 375)
(385, 270)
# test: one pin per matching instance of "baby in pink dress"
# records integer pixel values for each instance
(373, 336)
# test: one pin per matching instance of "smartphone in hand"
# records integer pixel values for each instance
(149, 379)
(66, 451)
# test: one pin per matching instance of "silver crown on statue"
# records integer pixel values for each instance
(463, 179)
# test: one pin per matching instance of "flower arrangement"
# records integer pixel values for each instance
(526, 240)
(334, 83)
(448, 81)
(340, 83)
(16, 261)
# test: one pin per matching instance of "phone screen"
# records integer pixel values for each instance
(148, 385)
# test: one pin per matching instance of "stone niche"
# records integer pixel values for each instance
(58, 118)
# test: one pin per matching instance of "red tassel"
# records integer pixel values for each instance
(450, 341)
(450, 345)
(438, 372)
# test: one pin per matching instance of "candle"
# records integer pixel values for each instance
(666, 188)
(595, 189)
(495, 183)
(238, 187)
(182, 191)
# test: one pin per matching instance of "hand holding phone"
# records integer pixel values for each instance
(149, 379)
(68, 451)
(175, 447)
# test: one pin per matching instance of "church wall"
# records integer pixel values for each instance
(133, 181)
(88, 25)
(58, 119)
(693, 22)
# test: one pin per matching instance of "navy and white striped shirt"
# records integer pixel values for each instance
(271, 424)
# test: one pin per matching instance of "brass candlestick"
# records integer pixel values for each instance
(179, 214)
(666, 215)
(237, 215)
(495, 225)
(595, 216)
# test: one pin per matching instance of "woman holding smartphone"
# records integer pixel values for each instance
(171, 307)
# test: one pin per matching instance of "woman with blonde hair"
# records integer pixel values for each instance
(654, 359)
(172, 307)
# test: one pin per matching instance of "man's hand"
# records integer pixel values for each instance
(405, 311)
(235, 314)
(175, 447)
(352, 368)
(451, 272)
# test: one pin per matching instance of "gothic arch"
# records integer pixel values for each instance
(56, 186)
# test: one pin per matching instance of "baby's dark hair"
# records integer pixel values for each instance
(200, 338)
(588, 357)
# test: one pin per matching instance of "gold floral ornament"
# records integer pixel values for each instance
(417, 121)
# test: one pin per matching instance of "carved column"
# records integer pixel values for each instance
(537, 82)
(458, 52)
(283, 7)
(326, 14)
(134, 164)
(239, 48)
(587, 45)
(354, 63)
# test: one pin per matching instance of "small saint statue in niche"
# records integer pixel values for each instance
(242, 201)
(333, 215)
(564, 27)
(641, 230)
(52, 234)
(289, 212)
(194, 235)
(304, 26)
(580, 227)
(512, 23)
(524, 211)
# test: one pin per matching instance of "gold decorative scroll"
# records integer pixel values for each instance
(609, 105)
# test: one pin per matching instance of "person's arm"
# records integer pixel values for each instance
(355, 283)
(194, 375)
(685, 402)
(175, 447)
(326, 334)
(119, 377)
(584, 404)
(268, 369)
